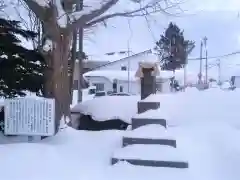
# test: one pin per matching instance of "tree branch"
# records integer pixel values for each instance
(36, 8)
(84, 18)
(150, 8)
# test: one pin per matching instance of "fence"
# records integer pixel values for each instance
(28, 116)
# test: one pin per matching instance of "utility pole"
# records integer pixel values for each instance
(128, 70)
(80, 54)
(206, 67)
(200, 65)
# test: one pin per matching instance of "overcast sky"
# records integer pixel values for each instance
(219, 20)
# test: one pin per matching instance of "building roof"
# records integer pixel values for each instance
(135, 55)
(90, 64)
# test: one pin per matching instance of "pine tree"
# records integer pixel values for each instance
(173, 48)
(21, 69)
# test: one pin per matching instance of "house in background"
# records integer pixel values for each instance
(87, 66)
(119, 75)
(130, 63)
(113, 81)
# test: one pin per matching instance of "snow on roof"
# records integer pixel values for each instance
(111, 75)
(149, 57)
(144, 56)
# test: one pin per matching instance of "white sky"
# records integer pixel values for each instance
(216, 19)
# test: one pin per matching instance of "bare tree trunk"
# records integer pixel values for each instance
(80, 55)
(60, 78)
(57, 82)
(80, 64)
(72, 62)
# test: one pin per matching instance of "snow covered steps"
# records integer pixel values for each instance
(150, 155)
(145, 106)
(138, 122)
(130, 141)
(149, 143)
(149, 134)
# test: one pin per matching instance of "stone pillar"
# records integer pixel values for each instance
(147, 73)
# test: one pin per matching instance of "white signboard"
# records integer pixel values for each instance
(28, 116)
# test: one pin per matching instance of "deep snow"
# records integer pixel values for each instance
(206, 125)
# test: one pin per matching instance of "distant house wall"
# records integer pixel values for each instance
(100, 80)
(134, 86)
(122, 85)
(87, 66)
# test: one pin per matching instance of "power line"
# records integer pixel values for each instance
(150, 29)
(148, 24)
(220, 56)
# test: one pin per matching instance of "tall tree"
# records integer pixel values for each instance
(21, 69)
(173, 48)
(60, 18)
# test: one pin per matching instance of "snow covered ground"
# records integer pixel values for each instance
(206, 125)
(109, 107)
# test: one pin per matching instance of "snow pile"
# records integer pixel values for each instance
(153, 114)
(85, 97)
(211, 150)
(225, 85)
(205, 123)
(69, 155)
(198, 106)
(109, 107)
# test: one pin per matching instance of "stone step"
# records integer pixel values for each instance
(149, 134)
(138, 122)
(150, 155)
(145, 106)
(152, 163)
(132, 172)
(131, 141)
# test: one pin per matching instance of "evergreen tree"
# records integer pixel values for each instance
(173, 48)
(21, 69)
